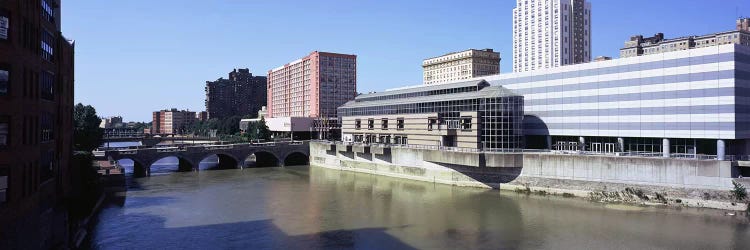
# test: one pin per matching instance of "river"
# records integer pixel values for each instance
(314, 208)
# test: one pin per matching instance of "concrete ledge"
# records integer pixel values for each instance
(380, 149)
(340, 147)
(450, 157)
(361, 148)
(502, 160)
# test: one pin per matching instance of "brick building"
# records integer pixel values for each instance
(36, 124)
(242, 94)
(173, 121)
(303, 95)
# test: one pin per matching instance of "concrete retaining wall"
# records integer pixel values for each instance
(682, 173)
(493, 170)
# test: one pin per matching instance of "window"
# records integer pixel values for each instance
(4, 82)
(4, 25)
(47, 85)
(3, 185)
(46, 127)
(48, 40)
(46, 166)
(4, 131)
(370, 124)
(431, 123)
(384, 123)
(47, 12)
(357, 124)
(400, 123)
(465, 123)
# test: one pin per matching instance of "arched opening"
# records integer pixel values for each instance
(218, 161)
(133, 167)
(261, 159)
(170, 164)
(296, 159)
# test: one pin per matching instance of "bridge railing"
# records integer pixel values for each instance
(171, 149)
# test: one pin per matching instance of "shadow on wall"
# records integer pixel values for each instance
(489, 176)
(535, 132)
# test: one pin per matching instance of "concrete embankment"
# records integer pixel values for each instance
(681, 182)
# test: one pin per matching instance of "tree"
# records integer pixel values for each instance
(87, 134)
(263, 132)
(258, 130)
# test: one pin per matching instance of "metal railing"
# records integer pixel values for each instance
(645, 154)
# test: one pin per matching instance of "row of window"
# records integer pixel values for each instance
(28, 135)
(383, 123)
(464, 123)
(386, 139)
(45, 79)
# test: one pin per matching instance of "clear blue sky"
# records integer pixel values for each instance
(137, 56)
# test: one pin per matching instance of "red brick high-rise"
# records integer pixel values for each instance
(36, 125)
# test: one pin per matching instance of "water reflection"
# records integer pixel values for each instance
(300, 208)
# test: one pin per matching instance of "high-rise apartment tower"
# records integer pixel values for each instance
(551, 33)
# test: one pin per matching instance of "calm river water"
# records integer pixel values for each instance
(313, 208)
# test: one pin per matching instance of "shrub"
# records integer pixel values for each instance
(739, 191)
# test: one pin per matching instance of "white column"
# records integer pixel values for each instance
(620, 144)
(721, 150)
(665, 147)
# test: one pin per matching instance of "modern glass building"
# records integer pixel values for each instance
(693, 101)
(469, 114)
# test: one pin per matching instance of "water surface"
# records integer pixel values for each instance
(313, 208)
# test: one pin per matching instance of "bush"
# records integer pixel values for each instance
(739, 191)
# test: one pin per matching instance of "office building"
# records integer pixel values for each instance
(242, 94)
(671, 103)
(172, 122)
(111, 122)
(36, 124)
(551, 33)
(309, 89)
(469, 114)
(461, 65)
(638, 45)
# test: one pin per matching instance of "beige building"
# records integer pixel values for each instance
(638, 45)
(461, 66)
(470, 114)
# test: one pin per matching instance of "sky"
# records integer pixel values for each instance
(138, 56)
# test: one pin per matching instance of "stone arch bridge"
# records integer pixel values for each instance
(230, 155)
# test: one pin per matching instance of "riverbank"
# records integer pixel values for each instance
(643, 181)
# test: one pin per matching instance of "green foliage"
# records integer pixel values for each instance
(87, 135)
(258, 130)
(739, 191)
(140, 126)
(226, 129)
(86, 184)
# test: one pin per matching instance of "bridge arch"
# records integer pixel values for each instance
(139, 168)
(183, 164)
(226, 161)
(296, 158)
(262, 159)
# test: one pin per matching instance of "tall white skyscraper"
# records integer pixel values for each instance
(551, 33)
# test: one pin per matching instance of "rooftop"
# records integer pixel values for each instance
(485, 50)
